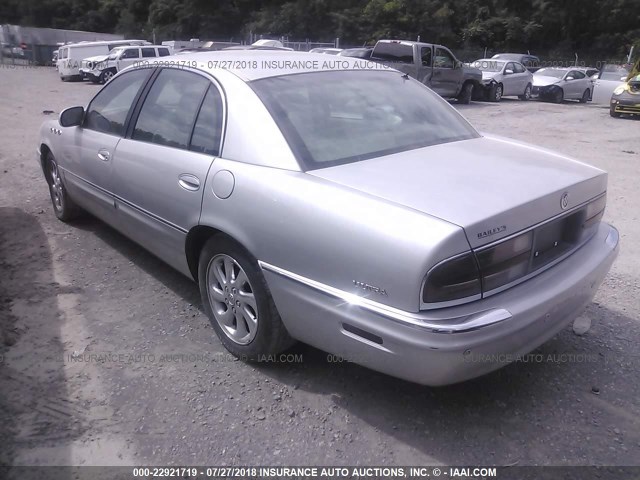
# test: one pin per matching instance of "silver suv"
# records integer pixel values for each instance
(102, 69)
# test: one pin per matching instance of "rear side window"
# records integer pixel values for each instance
(207, 132)
(169, 111)
(108, 110)
(148, 52)
(393, 52)
(163, 52)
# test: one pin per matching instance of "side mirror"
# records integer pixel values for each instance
(71, 117)
(508, 72)
(458, 64)
(624, 79)
(569, 78)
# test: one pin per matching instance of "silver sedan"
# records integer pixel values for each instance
(558, 84)
(337, 203)
(502, 78)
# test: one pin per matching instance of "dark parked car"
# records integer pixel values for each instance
(626, 98)
(531, 62)
(362, 52)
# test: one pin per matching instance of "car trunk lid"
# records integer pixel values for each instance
(490, 186)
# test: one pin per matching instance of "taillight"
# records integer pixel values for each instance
(452, 280)
(505, 262)
(482, 271)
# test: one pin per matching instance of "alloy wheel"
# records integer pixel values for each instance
(56, 187)
(498, 93)
(232, 299)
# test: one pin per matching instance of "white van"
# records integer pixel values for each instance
(101, 69)
(70, 56)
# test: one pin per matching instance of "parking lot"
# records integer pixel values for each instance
(108, 358)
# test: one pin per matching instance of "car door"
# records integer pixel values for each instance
(582, 83)
(510, 79)
(572, 85)
(523, 77)
(89, 165)
(425, 68)
(161, 166)
(446, 76)
(127, 58)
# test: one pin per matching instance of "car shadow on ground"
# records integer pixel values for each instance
(567, 389)
(571, 387)
(35, 410)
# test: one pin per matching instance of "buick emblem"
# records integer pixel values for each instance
(564, 200)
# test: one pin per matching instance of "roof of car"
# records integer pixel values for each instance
(256, 64)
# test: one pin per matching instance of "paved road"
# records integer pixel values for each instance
(107, 357)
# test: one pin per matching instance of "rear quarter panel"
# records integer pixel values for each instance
(330, 234)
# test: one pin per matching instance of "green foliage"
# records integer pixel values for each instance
(591, 27)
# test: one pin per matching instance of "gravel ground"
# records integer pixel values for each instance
(169, 394)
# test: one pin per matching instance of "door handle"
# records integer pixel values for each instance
(104, 155)
(189, 182)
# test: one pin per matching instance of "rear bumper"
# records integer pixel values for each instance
(474, 339)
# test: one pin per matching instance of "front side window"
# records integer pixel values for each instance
(107, 112)
(519, 68)
(425, 54)
(169, 111)
(443, 59)
(131, 53)
(511, 66)
(337, 117)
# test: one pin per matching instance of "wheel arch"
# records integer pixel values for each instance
(195, 241)
(45, 150)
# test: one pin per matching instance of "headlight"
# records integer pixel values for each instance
(621, 89)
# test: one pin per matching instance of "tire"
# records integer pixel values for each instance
(557, 96)
(527, 93)
(466, 93)
(63, 206)
(231, 281)
(106, 76)
(495, 92)
(585, 96)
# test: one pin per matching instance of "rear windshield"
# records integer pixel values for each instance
(393, 52)
(337, 117)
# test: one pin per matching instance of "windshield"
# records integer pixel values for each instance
(337, 117)
(613, 72)
(551, 72)
(114, 53)
(488, 65)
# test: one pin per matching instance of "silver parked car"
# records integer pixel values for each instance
(504, 78)
(558, 84)
(351, 209)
